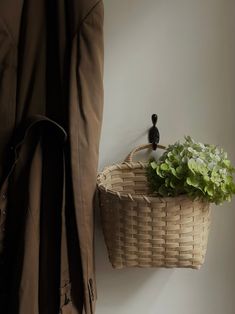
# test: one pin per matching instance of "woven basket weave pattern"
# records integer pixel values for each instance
(146, 231)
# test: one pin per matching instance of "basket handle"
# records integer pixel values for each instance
(130, 156)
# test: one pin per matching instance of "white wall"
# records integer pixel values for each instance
(177, 59)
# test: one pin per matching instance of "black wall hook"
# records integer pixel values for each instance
(154, 135)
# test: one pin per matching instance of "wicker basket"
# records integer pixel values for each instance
(143, 230)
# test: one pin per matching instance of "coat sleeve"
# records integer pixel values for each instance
(86, 112)
(90, 69)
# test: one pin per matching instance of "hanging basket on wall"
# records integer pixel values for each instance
(142, 230)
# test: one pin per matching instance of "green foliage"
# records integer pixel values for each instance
(195, 169)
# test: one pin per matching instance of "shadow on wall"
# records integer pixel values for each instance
(117, 286)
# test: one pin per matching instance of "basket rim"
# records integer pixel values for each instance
(140, 197)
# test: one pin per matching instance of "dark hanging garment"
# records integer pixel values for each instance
(51, 105)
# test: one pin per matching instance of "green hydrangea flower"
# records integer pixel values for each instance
(195, 169)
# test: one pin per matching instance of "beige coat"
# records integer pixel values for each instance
(51, 103)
